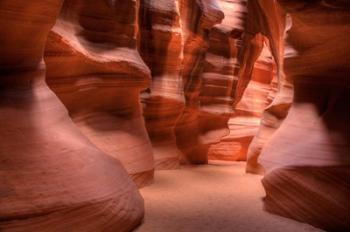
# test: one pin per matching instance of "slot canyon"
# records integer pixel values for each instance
(174, 115)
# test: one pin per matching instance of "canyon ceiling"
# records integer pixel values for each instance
(97, 95)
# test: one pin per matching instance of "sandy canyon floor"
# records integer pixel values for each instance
(210, 198)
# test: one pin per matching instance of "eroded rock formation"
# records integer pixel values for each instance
(142, 84)
(52, 178)
(161, 47)
(97, 72)
(248, 107)
(269, 32)
(218, 78)
(253, 88)
(307, 159)
(189, 42)
(198, 127)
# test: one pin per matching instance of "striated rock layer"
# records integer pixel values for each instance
(257, 96)
(248, 108)
(190, 42)
(218, 78)
(161, 47)
(210, 71)
(52, 178)
(307, 159)
(252, 85)
(275, 99)
(96, 71)
(198, 127)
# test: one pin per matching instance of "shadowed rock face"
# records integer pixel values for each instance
(52, 178)
(142, 84)
(307, 158)
(218, 77)
(161, 47)
(194, 58)
(66, 170)
(194, 55)
(273, 97)
(96, 71)
(252, 85)
(197, 128)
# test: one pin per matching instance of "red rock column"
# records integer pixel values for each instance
(195, 132)
(161, 47)
(263, 37)
(218, 76)
(248, 111)
(51, 177)
(96, 71)
(307, 159)
(250, 69)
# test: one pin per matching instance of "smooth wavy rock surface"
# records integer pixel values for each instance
(95, 69)
(161, 47)
(307, 159)
(197, 127)
(52, 178)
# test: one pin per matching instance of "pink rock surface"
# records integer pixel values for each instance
(316, 195)
(261, 34)
(218, 78)
(307, 158)
(52, 178)
(95, 92)
(197, 128)
(252, 88)
(161, 47)
(248, 111)
(96, 71)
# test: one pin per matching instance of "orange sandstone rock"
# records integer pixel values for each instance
(252, 87)
(95, 69)
(52, 178)
(307, 158)
(161, 47)
(197, 128)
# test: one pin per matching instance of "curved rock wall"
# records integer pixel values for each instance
(194, 52)
(197, 128)
(161, 47)
(279, 98)
(52, 178)
(97, 72)
(252, 88)
(306, 160)
(152, 83)
(219, 79)
(258, 94)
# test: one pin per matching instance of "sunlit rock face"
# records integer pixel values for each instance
(218, 78)
(307, 159)
(198, 126)
(97, 72)
(252, 87)
(161, 47)
(270, 98)
(52, 178)
(193, 52)
(93, 92)
(258, 94)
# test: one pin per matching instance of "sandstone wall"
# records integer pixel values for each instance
(95, 92)
(306, 161)
(97, 72)
(252, 89)
(161, 46)
(198, 18)
(52, 178)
